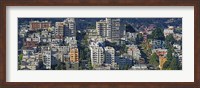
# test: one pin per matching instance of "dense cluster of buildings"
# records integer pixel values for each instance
(49, 44)
(46, 44)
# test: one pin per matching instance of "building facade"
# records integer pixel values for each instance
(109, 29)
(36, 25)
(70, 27)
(97, 55)
(74, 56)
(109, 55)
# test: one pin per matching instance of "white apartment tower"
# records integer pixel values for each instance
(97, 55)
(59, 30)
(67, 28)
(46, 56)
(109, 28)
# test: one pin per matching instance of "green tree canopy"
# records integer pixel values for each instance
(169, 40)
(174, 64)
(169, 54)
(166, 65)
(20, 57)
(154, 60)
(158, 34)
(129, 28)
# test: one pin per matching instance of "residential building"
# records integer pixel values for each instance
(30, 44)
(69, 27)
(74, 56)
(71, 42)
(134, 51)
(109, 55)
(46, 56)
(169, 31)
(56, 42)
(92, 33)
(177, 46)
(103, 28)
(36, 25)
(160, 52)
(131, 36)
(124, 61)
(97, 55)
(155, 44)
(59, 30)
(116, 29)
(177, 36)
(110, 29)
(29, 61)
(139, 67)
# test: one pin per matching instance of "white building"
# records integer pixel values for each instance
(109, 28)
(177, 37)
(92, 33)
(131, 36)
(97, 55)
(134, 52)
(59, 30)
(168, 31)
(109, 55)
(139, 67)
(71, 42)
(104, 28)
(46, 56)
(177, 46)
(29, 61)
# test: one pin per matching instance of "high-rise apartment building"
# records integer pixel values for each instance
(97, 55)
(59, 30)
(46, 56)
(67, 28)
(70, 27)
(109, 29)
(109, 55)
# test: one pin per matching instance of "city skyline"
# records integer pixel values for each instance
(99, 43)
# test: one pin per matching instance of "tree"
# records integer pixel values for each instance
(166, 65)
(169, 54)
(90, 65)
(174, 64)
(60, 66)
(129, 28)
(158, 34)
(169, 40)
(154, 60)
(20, 57)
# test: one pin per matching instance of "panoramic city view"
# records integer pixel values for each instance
(99, 44)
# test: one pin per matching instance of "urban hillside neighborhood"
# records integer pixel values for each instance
(99, 43)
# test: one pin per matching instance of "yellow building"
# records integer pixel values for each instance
(162, 60)
(74, 55)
